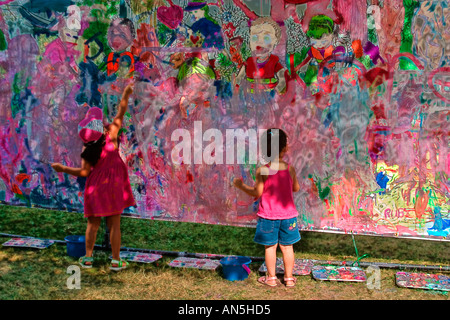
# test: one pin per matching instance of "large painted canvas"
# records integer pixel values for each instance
(361, 87)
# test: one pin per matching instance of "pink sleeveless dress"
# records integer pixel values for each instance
(108, 190)
(277, 199)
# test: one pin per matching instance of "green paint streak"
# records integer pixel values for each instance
(433, 199)
(252, 171)
(372, 36)
(99, 29)
(407, 37)
(110, 5)
(323, 193)
(16, 105)
(3, 43)
(306, 221)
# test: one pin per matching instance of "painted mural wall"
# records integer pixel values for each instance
(362, 88)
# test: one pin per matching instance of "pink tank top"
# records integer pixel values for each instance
(277, 199)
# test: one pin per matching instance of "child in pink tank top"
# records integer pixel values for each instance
(277, 222)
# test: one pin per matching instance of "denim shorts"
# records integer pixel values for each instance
(271, 232)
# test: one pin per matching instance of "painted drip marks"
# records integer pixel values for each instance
(363, 92)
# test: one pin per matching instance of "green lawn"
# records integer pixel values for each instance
(42, 274)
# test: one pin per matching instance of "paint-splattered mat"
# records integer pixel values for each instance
(185, 262)
(139, 257)
(29, 243)
(302, 267)
(335, 273)
(422, 281)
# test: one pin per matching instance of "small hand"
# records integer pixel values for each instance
(238, 182)
(128, 89)
(58, 167)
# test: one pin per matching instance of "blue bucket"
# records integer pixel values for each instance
(76, 246)
(235, 268)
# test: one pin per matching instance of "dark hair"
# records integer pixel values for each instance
(93, 150)
(124, 22)
(280, 138)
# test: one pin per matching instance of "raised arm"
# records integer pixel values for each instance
(121, 110)
(255, 191)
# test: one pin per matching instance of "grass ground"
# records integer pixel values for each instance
(42, 274)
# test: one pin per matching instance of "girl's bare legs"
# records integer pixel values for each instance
(288, 260)
(91, 234)
(271, 262)
(113, 223)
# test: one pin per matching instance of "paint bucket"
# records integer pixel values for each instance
(76, 246)
(235, 268)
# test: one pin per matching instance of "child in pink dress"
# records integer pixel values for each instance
(108, 190)
(277, 222)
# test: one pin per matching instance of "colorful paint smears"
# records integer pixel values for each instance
(141, 257)
(422, 281)
(362, 91)
(302, 267)
(334, 273)
(28, 243)
(185, 262)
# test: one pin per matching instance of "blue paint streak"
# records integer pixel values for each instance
(441, 226)
(382, 181)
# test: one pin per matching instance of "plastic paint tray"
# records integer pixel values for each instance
(185, 262)
(422, 281)
(302, 267)
(139, 256)
(28, 243)
(335, 273)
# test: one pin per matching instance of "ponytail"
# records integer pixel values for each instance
(93, 150)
